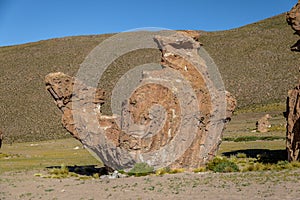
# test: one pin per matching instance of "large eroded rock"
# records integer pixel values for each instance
(293, 124)
(293, 101)
(175, 118)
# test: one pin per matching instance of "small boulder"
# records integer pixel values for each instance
(263, 124)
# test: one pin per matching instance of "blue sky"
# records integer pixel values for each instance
(23, 21)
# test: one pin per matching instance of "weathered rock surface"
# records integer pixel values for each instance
(189, 33)
(293, 124)
(60, 87)
(175, 118)
(293, 19)
(292, 113)
(263, 124)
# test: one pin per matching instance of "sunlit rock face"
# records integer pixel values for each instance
(175, 118)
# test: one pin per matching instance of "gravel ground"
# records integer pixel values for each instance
(252, 185)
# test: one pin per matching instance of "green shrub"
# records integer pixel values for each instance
(200, 169)
(226, 167)
(241, 155)
(254, 138)
(162, 171)
(63, 170)
(141, 169)
(277, 128)
(295, 164)
(176, 171)
(214, 162)
(168, 170)
(220, 164)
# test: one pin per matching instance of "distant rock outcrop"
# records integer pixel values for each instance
(263, 124)
(160, 124)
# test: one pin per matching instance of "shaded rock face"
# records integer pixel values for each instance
(1, 137)
(171, 120)
(293, 19)
(293, 124)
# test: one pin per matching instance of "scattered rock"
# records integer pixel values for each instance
(263, 124)
(114, 175)
(174, 119)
